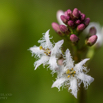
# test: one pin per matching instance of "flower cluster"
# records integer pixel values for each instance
(71, 24)
(62, 64)
(71, 70)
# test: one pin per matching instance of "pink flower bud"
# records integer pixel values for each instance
(63, 18)
(74, 38)
(76, 13)
(67, 18)
(83, 16)
(55, 26)
(92, 31)
(60, 62)
(80, 27)
(80, 12)
(70, 23)
(91, 40)
(87, 21)
(63, 28)
(77, 22)
(69, 12)
(65, 13)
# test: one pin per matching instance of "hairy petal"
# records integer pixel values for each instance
(57, 47)
(59, 82)
(45, 41)
(69, 62)
(73, 87)
(87, 80)
(53, 63)
(42, 60)
(36, 50)
(79, 66)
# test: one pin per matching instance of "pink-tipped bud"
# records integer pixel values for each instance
(63, 18)
(77, 22)
(55, 26)
(74, 38)
(80, 27)
(60, 62)
(63, 28)
(91, 40)
(76, 13)
(70, 23)
(69, 12)
(87, 21)
(83, 16)
(67, 18)
(92, 31)
(80, 12)
(65, 13)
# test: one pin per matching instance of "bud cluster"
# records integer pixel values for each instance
(73, 23)
(75, 19)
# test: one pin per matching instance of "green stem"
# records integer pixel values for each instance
(82, 95)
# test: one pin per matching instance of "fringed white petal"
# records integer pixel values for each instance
(86, 79)
(36, 50)
(79, 66)
(45, 42)
(73, 87)
(59, 82)
(48, 43)
(69, 62)
(42, 60)
(59, 13)
(57, 47)
(53, 63)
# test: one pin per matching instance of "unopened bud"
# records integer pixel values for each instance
(70, 23)
(69, 12)
(77, 22)
(91, 40)
(87, 21)
(92, 31)
(60, 62)
(63, 28)
(83, 16)
(65, 13)
(80, 27)
(76, 13)
(67, 18)
(80, 12)
(74, 38)
(63, 18)
(56, 27)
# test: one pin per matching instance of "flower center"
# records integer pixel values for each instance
(46, 51)
(70, 72)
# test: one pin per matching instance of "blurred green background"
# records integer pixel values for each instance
(22, 23)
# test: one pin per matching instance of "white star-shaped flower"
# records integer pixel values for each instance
(99, 33)
(71, 75)
(47, 52)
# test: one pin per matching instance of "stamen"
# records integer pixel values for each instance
(68, 76)
(70, 72)
(46, 51)
(41, 47)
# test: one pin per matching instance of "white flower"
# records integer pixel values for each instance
(59, 13)
(47, 52)
(72, 76)
(99, 33)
